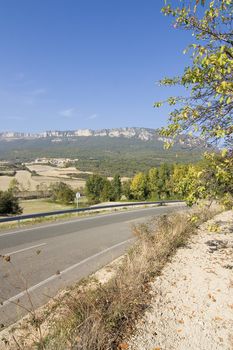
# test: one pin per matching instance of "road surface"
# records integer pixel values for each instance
(47, 258)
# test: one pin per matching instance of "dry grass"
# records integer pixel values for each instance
(41, 205)
(30, 183)
(101, 318)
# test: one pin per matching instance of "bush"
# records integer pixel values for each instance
(9, 204)
(227, 201)
(63, 193)
(99, 188)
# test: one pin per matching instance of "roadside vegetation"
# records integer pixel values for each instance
(62, 193)
(101, 318)
(59, 194)
(210, 179)
(9, 204)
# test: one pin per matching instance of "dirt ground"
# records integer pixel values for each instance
(192, 304)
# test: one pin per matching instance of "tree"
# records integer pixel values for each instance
(61, 192)
(179, 186)
(209, 78)
(126, 189)
(139, 186)
(94, 186)
(164, 181)
(116, 188)
(188, 184)
(9, 204)
(218, 175)
(14, 186)
(212, 179)
(106, 193)
(153, 181)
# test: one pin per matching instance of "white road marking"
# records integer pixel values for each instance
(77, 220)
(24, 249)
(53, 277)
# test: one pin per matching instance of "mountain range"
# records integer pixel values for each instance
(144, 134)
(106, 151)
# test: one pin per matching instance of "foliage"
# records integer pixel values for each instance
(164, 186)
(61, 192)
(227, 201)
(139, 186)
(153, 178)
(211, 179)
(116, 187)
(107, 191)
(94, 187)
(208, 109)
(99, 188)
(14, 186)
(154, 184)
(9, 203)
(180, 187)
(126, 191)
(188, 184)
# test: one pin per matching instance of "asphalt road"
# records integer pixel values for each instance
(47, 258)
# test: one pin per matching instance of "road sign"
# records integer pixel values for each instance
(78, 195)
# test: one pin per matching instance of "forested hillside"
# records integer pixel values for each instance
(105, 155)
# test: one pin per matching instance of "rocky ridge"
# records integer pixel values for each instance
(143, 134)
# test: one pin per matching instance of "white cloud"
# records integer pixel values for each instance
(69, 112)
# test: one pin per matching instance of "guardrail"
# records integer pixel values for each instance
(70, 211)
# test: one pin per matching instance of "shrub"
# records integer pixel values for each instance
(63, 193)
(9, 204)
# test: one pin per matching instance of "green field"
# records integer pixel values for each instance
(42, 205)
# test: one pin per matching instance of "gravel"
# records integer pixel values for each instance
(192, 303)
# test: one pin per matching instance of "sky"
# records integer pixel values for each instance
(70, 64)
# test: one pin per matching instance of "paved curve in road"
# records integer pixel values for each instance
(47, 258)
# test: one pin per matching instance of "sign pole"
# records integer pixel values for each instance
(78, 195)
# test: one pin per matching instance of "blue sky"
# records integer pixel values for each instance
(68, 64)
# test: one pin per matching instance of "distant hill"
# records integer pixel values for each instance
(144, 134)
(107, 151)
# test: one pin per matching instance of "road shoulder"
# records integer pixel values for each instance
(192, 303)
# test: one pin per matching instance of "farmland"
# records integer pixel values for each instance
(41, 176)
